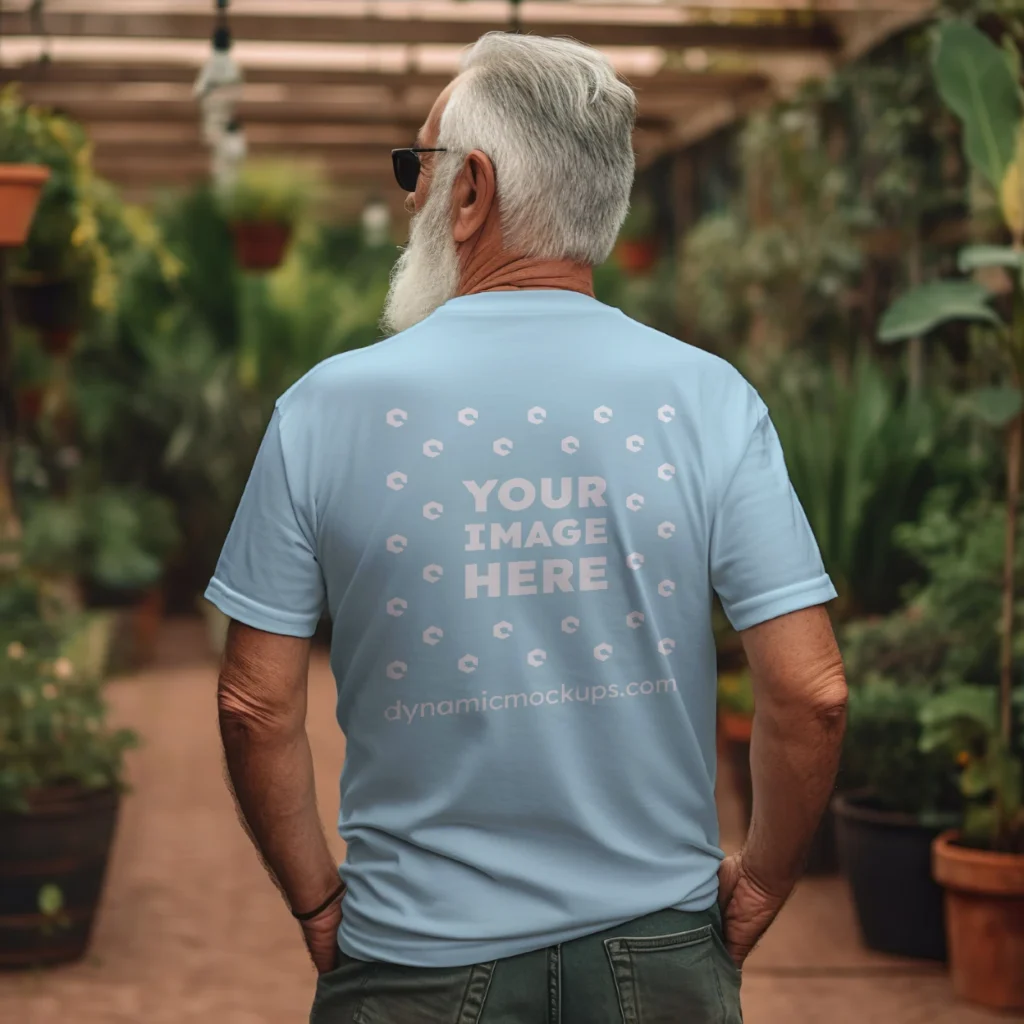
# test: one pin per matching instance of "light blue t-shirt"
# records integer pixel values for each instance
(516, 514)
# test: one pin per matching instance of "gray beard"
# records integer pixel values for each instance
(426, 274)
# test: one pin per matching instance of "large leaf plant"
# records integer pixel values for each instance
(980, 82)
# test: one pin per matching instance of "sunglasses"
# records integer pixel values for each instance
(407, 165)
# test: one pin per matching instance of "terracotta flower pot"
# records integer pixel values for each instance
(638, 255)
(260, 245)
(735, 727)
(984, 921)
(20, 185)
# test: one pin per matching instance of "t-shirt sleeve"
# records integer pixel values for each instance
(764, 558)
(268, 576)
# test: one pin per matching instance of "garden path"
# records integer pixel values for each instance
(192, 932)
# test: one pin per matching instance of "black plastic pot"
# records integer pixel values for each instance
(822, 857)
(48, 304)
(886, 856)
(62, 844)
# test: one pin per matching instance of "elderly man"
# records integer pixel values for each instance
(517, 511)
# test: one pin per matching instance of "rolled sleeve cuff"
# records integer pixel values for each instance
(755, 610)
(259, 616)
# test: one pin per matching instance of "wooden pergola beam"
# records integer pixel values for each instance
(132, 135)
(84, 20)
(673, 83)
(92, 107)
(192, 166)
(170, 134)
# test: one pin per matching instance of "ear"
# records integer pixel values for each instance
(474, 195)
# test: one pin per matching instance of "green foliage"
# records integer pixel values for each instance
(996, 407)
(979, 257)
(976, 82)
(882, 752)
(928, 306)
(948, 632)
(80, 229)
(787, 252)
(641, 221)
(861, 457)
(276, 191)
(53, 728)
(966, 720)
(971, 571)
(960, 548)
(176, 387)
(118, 538)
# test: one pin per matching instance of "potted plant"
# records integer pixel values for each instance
(894, 800)
(637, 247)
(982, 867)
(60, 785)
(115, 541)
(50, 273)
(262, 208)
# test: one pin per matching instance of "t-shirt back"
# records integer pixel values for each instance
(517, 514)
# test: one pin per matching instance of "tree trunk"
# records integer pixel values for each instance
(10, 526)
(1013, 452)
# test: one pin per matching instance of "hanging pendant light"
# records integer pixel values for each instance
(376, 223)
(219, 85)
(229, 152)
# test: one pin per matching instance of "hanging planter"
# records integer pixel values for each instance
(262, 205)
(260, 245)
(637, 255)
(20, 186)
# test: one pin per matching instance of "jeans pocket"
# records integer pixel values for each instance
(340, 992)
(673, 979)
(381, 993)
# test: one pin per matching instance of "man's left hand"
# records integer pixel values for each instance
(321, 935)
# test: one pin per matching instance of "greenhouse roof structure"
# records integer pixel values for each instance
(342, 81)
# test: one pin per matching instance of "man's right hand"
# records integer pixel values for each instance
(747, 908)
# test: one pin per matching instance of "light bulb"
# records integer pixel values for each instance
(229, 154)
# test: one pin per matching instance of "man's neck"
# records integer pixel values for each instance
(518, 273)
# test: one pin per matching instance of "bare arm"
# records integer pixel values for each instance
(261, 702)
(799, 720)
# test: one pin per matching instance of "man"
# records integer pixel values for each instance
(517, 511)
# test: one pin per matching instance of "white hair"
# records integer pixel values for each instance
(426, 275)
(557, 123)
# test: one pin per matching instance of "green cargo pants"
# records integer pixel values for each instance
(666, 968)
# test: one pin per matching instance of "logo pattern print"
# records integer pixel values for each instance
(527, 581)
